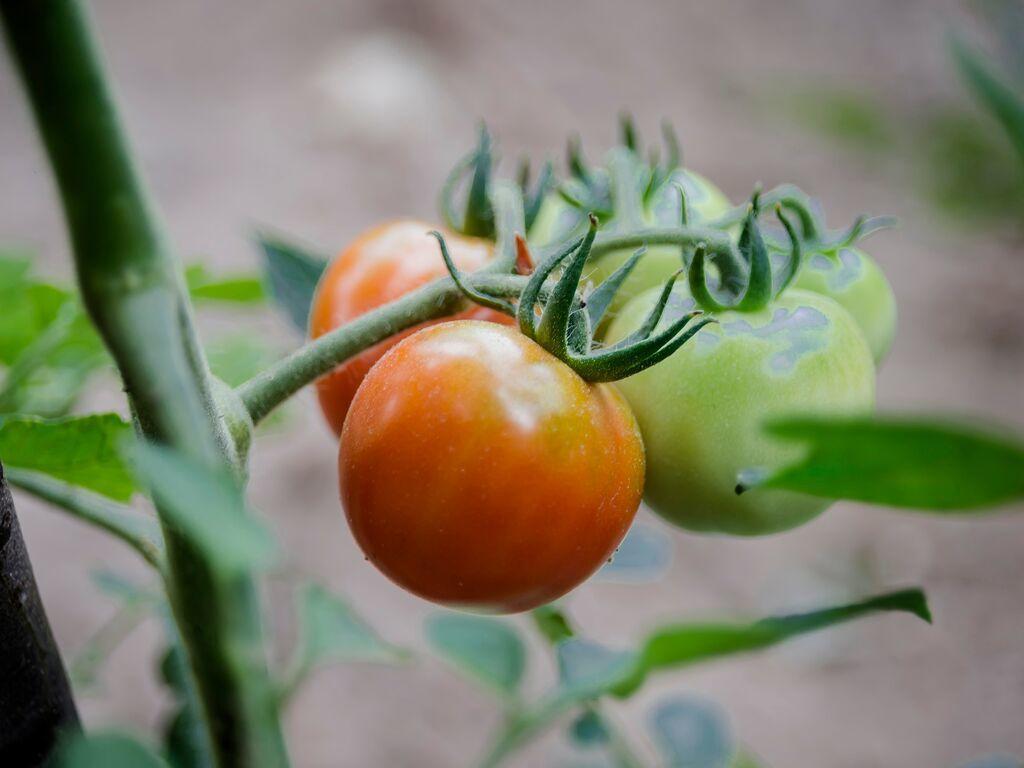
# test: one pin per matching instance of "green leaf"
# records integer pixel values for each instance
(691, 733)
(29, 306)
(46, 341)
(236, 359)
(104, 750)
(966, 168)
(920, 464)
(588, 670)
(50, 374)
(233, 289)
(208, 506)
(1001, 100)
(487, 650)
(80, 450)
(642, 557)
(331, 631)
(552, 623)
(685, 644)
(856, 119)
(292, 274)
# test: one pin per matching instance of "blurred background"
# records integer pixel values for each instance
(319, 119)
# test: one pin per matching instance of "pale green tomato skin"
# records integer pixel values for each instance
(701, 410)
(855, 281)
(557, 220)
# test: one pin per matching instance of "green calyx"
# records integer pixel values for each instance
(567, 321)
(623, 191)
(815, 238)
(477, 216)
(761, 285)
(562, 321)
(830, 243)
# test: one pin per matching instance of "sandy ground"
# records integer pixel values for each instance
(320, 118)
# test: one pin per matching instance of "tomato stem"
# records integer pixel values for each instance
(134, 291)
(273, 386)
(719, 246)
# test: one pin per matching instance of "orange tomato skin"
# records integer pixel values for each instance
(479, 472)
(380, 266)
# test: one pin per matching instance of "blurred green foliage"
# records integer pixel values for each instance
(49, 349)
(966, 160)
(849, 117)
(957, 159)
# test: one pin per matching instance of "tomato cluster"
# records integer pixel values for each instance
(483, 468)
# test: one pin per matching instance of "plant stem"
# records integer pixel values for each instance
(270, 388)
(717, 242)
(554, 625)
(618, 745)
(140, 533)
(104, 641)
(133, 289)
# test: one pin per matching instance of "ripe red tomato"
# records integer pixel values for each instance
(380, 266)
(480, 472)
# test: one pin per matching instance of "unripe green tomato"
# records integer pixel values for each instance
(557, 220)
(704, 202)
(855, 281)
(701, 410)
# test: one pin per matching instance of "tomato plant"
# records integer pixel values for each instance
(482, 466)
(541, 477)
(381, 265)
(701, 411)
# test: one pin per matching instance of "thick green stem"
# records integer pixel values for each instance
(134, 292)
(267, 390)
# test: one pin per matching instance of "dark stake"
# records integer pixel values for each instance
(36, 706)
